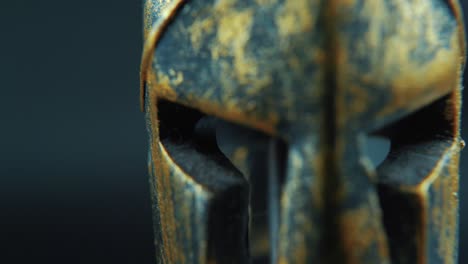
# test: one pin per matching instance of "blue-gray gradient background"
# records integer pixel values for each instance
(73, 180)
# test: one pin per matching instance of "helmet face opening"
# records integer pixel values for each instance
(258, 115)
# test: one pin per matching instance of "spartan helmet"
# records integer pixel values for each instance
(258, 110)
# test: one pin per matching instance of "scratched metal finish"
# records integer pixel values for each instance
(319, 74)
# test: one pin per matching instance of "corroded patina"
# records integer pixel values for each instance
(318, 75)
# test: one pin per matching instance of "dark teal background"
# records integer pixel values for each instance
(73, 180)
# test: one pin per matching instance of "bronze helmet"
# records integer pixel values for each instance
(257, 111)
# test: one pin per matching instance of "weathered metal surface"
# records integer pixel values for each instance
(318, 75)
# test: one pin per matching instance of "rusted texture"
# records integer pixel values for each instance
(220, 78)
(404, 55)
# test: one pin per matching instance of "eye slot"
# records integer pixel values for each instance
(176, 121)
(418, 142)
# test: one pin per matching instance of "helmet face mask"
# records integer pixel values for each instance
(257, 112)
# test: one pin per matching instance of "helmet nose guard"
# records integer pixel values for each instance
(317, 76)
